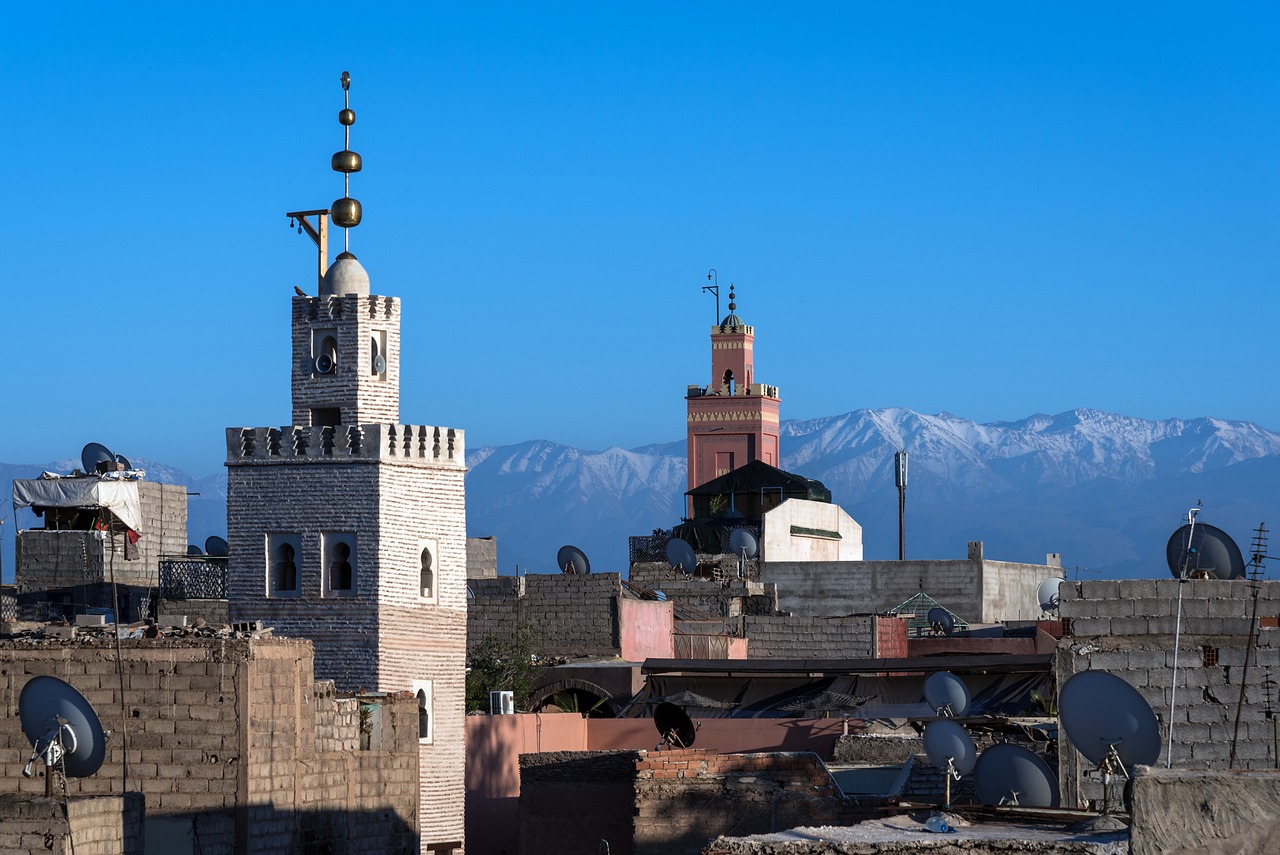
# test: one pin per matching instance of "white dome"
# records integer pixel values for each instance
(345, 276)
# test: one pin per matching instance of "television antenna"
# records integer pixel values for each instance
(93, 455)
(1048, 595)
(1009, 774)
(940, 621)
(681, 557)
(63, 729)
(951, 749)
(674, 726)
(1110, 724)
(1258, 553)
(946, 694)
(744, 545)
(571, 559)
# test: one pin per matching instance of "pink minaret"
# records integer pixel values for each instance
(734, 420)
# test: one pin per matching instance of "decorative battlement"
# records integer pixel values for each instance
(759, 390)
(720, 329)
(422, 445)
(333, 307)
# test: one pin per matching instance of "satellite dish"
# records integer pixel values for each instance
(1047, 595)
(1101, 713)
(946, 693)
(93, 454)
(949, 746)
(379, 364)
(1012, 775)
(62, 727)
(680, 555)
(1210, 553)
(123, 461)
(674, 725)
(941, 620)
(215, 547)
(571, 559)
(192, 549)
(325, 364)
(743, 543)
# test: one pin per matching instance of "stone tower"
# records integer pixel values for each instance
(734, 419)
(349, 528)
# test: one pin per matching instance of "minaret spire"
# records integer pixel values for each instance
(346, 211)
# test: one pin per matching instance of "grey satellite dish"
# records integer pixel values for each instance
(674, 725)
(947, 694)
(1203, 550)
(379, 364)
(680, 555)
(940, 619)
(62, 727)
(1012, 775)
(215, 547)
(949, 746)
(743, 543)
(1101, 712)
(123, 461)
(325, 364)
(571, 559)
(93, 454)
(1047, 595)
(192, 549)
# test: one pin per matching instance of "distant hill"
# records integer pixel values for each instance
(1103, 489)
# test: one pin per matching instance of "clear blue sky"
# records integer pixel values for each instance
(989, 209)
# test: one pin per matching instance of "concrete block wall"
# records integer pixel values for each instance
(482, 557)
(780, 637)
(90, 825)
(979, 591)
(572, 615)
(223, 732)
(495, 608)
(1127, 627)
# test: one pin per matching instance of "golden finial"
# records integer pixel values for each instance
(346, 211)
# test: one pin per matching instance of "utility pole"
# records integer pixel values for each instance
(900, 478)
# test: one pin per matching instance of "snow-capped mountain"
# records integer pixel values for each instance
(1103, 489)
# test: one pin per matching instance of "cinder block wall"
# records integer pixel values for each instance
(572, 615)
(779, 637)
(224, 732)
(1127, 628)
(91, 825)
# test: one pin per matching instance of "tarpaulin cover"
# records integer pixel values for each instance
(119, 497)
(856, 695)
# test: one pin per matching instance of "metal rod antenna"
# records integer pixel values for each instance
(1177, 633)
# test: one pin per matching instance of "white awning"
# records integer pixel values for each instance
(119, 497)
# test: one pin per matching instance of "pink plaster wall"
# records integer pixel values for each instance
(645, 628)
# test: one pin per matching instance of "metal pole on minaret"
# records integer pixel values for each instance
(900, 478)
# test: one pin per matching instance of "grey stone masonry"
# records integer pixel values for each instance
(1127, 628)
(571, 615)
(781, 637)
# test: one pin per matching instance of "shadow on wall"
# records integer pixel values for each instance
(322, 832)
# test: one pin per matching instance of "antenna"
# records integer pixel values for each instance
(1048, 596)
(93, 455)
(744, 545)
(1009, 774)
(946, 694)
(1258, 550)
(674, 726)
(571, 559)
(1200, 551)
(63, 729)
(1110, 724)
(951, 749)
(940, 621)
(900, 479)
(680, 556)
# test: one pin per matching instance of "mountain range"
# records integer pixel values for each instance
(1105, 490)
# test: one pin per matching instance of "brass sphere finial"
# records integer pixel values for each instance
(732, 305)
(346, 212)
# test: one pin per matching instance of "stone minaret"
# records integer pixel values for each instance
(734, 419)
(348, 527)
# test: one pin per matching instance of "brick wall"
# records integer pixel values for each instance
(222, 736)
(1126, 627)
(352, 319)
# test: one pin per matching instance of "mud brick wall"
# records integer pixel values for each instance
(1127, 628)
(780, 637)
(686, 798)
(96, 825)
(221, 733)
(571, 800)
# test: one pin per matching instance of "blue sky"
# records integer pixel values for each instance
(988, 209)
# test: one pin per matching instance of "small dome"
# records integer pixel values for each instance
(731, 321)
(345, 276)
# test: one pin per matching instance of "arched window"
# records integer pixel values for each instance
(422, 692)
(286, 568)
(728, 380)
(427, 578)
(283, 560)
(340, 562)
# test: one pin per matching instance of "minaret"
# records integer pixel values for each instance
(733, 420)
(347, 527)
